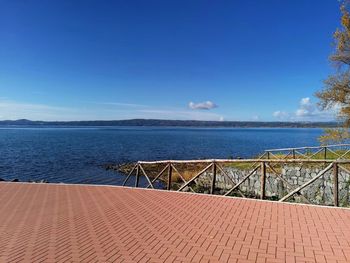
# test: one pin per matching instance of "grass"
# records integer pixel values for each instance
(187, 171)
(311, 155)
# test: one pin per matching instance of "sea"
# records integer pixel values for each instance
(79, 155)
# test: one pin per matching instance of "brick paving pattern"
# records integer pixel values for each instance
(75, 223)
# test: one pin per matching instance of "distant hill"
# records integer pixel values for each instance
(169, 123)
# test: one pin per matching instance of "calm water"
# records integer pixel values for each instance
(75, 155)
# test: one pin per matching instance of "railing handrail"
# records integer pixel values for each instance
(307, 147)
(247, 161)
(263, 165)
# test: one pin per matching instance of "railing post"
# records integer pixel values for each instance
(214, 179)
(268, 154)
(336, 184)
(293, 151)
(170, 171)
(263, 179)
(137, 179)
(325, 153)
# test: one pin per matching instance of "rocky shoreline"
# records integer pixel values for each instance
(16, 180)
(124, 168)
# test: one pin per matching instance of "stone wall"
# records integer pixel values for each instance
(319, 192)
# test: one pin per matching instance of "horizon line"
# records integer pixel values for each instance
(171, 120)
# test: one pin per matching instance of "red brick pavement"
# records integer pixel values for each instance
(76, 223)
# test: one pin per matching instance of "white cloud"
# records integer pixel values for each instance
(308, 111)
(207, 105)
(305, 101)
(281, 115)
(306, 108)
(256, 118)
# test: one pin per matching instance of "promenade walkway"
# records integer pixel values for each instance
(77, 223)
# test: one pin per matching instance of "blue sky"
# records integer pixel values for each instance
(205, 60)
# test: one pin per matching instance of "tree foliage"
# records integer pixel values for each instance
(334, 135)
(336, 91)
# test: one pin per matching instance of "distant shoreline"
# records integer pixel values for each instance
(166, 123)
